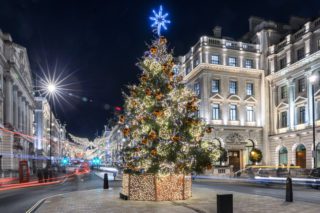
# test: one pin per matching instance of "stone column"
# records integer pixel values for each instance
(309, 111)
(19, 111)
(291, 90)
(15, 108)
(9, 101)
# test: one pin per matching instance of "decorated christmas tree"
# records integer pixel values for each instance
(161, 125)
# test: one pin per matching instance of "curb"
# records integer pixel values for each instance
(38, 204)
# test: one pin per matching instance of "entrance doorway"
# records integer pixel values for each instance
(301, 156)
(234, 159)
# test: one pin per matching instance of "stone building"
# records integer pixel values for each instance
(42, 133)
(255, 92)
(16, 105)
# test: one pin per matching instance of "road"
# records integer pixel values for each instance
(20, 200)
(300, 193)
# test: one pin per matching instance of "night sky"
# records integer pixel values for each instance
(98, 42)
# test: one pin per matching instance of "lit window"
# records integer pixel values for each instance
(284, 92)
(197, 62)
(215, 85)
(188, 69)
(249, 63)
(301, 85)
(284, 119)
(250, 114)
(233, 112)
(215, 59)
(233, 87)
(249, 88)
(196, 88)
(302, 115)
(215, 112)
(175, 70)
(232, 61)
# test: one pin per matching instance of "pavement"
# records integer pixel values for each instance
(20, 200)
(203, 200)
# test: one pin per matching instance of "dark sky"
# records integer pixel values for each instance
(99, 41)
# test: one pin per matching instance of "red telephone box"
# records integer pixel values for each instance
(24, 173)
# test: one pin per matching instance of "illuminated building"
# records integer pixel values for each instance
(255, 92)
(16, 106)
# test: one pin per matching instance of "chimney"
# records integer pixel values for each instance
(217, 32)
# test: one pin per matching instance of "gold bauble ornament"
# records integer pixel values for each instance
(144, 78)
(148, 92)
(162, 40)
(159, 96)
(153, 50)
(175, 138)
(121, 119)
(152, 135)
(158, 113)
(208, 130)
(126, 131)
(154, 152)
(144, 141)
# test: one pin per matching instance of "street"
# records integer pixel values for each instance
(300, 193)
(20, 200)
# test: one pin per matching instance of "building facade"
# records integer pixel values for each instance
(255, 92)
(42, 134)
(16, 106)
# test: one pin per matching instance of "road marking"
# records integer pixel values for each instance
(37, 204)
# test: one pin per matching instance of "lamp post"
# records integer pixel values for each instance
(51, 90)
(313, 79)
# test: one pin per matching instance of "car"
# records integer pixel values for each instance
(315, 175)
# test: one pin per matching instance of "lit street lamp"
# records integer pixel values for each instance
(51, 91)
(313, 79)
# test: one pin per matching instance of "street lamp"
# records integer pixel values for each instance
(313, 79)
(51, 89)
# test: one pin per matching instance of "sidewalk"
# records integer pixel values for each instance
(203, 200)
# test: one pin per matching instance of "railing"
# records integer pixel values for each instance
(299, 34)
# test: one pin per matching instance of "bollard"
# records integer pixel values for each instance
(289, 194)
(225, 203)
(105, 181)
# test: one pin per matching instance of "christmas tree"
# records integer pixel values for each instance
(161, 125)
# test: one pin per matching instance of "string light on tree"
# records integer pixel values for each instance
(159, 20)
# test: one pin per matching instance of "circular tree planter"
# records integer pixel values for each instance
(155, 187)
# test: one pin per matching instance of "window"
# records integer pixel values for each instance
(283, 156)
(233, 112)
(188, 69)
(284, 119)
(233, 87)
(196, 62)
(215, 59)
(196, 88)
(175, 70)
(302, 115)
(232, 61)
(284, 92)
(249, 88)
(301, 85)
(300, 54)
(250, 114)
(215, 86)
(283, 63)
(318, 44)
(215, 112)
(249, 63)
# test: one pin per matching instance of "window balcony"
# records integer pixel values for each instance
(234, 123)
(301, 126)
(250, 123)
(216, 122)
(283, 130)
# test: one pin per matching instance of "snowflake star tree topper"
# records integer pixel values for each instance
(159, 20)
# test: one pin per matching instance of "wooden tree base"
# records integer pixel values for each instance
(154, 187)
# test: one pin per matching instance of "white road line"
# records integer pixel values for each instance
(37, 204)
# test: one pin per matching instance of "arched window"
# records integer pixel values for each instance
(301, 156)
(318, 155)
(283, 156)
(249, 147)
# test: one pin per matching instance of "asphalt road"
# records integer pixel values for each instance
(300, 193)
(20, 200)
